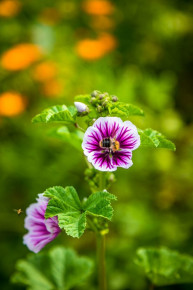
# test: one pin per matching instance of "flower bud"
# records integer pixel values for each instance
(95, 93)
(104, 103)
(111, 178)
(114, 98)
(94, 101)
(101, 96)
(99, 109)
(81, 107)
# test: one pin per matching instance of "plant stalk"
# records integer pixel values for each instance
(101, 262)
(102, 182)
(101, 246)
(78, 127)
(151, 287)
(100, 243)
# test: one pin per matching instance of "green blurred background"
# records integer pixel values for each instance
(139, 51)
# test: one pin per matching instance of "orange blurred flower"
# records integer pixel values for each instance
(50, 16)
(102, 22)
(98, 7)
(11, 104)
(9, 8)
(109, 41)
(52, 88)
(45, 71)
(90, 49)
(20, 57)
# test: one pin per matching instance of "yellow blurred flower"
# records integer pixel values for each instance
(98, 7)
(52, 88)
(20, 56)
(45, 71)
(9, 8)
(90, 49)
(11, 104)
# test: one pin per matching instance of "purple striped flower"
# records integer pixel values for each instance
(41, 230)
(108, 144)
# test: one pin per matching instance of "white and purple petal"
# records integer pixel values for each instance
(101, 161)
(91, 140)
(128, 136)
(41, 230)
(108, 126)
(35, 242)
(122, 158)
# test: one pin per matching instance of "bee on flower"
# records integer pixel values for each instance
(109, 143)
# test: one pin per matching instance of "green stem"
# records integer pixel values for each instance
(88, 163)
(102, 284)
(101, 262)
(102, 182)
(151, 287)
(78, 127)
(101, 246)
(92, 225)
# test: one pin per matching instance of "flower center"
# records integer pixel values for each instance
(110, 144)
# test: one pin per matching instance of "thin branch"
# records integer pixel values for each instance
(78, 127)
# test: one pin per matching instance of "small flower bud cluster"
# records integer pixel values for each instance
(92, 177)
(100, 100)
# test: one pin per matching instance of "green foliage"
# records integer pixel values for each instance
(65, 203)
(83, 99)
(99, 104)
(120, 109)
(164, 267)
(73, 138)
(59, 269)
(108, 105)
(92, 177)
(59, 113)
(98, 204)
(152, 138)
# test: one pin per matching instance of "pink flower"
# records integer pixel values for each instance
(108, 144)
(41, 230)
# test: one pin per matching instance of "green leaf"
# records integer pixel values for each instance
(59, 269)
(99, 203)
(74, 138)
(165, 267)
(74, 223)
(67, 196)
(73, 111)
(83, 99)
(65, 203)
(120, 109)
(59, 113)
(152, 138)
